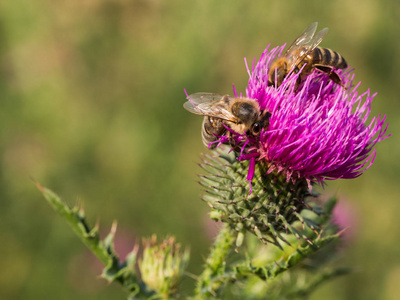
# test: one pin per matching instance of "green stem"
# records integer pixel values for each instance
(211, 280)
(272, 270)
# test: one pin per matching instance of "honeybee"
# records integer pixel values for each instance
(242, 115)
(304, 51)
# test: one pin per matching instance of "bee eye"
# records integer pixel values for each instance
(256, 128)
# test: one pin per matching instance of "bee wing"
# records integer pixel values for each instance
(200, 103)
(210, 104)
(303, 39)
(306, 40)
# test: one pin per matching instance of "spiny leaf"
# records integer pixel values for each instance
(104, 250)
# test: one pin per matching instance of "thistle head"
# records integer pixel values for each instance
(318, 130)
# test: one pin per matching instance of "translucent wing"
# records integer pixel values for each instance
(201, 103)
(304, 38)
(209, 104)
(304, 44)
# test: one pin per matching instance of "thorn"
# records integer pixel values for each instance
(191, 275)
(97, 224)
(343, 230)
(307, 240)
(81, 208)
(278, 244)
(40, 188)
(109, 281)
(135, 249)
(114, 227)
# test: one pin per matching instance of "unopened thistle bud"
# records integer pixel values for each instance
(162, 265)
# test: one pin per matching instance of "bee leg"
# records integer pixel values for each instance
(232, 143)
(298, 81)
(333, 75)
(231, 140)
(212, 128)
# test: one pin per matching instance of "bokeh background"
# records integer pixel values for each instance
(91, 96)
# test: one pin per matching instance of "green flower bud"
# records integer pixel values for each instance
(162, 265)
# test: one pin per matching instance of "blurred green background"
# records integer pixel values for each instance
(91, 96)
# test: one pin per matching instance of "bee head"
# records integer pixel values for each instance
(255, 128)
(246, 112)
(277, 72)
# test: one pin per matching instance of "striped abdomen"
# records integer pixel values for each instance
(211, 129)
(328, 57)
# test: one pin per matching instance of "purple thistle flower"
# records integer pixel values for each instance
(317, 131)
